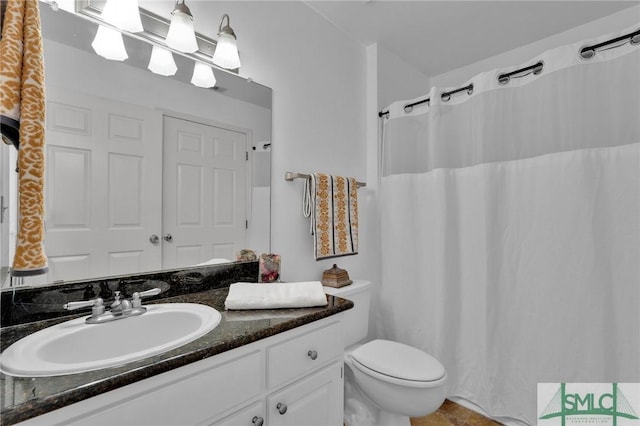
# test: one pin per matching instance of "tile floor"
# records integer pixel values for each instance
(452, 414)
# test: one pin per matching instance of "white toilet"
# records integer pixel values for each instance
(385, 382)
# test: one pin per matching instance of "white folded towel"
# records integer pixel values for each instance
(214, 261)
(257, 315)
(278, 295)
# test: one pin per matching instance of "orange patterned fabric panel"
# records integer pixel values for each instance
(22, 105)
(335, 215)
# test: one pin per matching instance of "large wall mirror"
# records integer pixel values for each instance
(146, 172)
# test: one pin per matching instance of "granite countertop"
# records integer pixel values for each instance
(26, 397)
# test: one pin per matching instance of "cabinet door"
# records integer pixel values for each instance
(313, 401)
(253, 415)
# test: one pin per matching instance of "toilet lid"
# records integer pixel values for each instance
(398, 360)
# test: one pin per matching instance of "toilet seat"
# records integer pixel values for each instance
(398, 363)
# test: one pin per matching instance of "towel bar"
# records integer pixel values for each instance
(289, 176)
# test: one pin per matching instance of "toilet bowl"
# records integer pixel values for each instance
(398, 378)
(386, 382)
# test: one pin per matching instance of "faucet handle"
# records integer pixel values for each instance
(71, 306)
(137, 296)
(152, 292)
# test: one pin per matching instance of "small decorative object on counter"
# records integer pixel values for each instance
(269, 268)
(246, 255)
(335, 277)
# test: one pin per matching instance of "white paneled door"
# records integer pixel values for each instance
(204, 192)
(104, 173)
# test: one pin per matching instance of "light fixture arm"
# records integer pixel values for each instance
(181, 7)
(227, 28)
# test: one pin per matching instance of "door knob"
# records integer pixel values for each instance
(168, 238)
(258, 421)
(154, 239)
(312, 354)
(281, 407)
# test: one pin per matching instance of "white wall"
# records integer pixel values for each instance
(609, 24)
(388, 78)
(397, 79)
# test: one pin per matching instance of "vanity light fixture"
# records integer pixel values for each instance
(181, 35)
(203, 75)
(123, 14)
(108, 43)
(226, 53)
(162, 62)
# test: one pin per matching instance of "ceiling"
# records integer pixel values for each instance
(439, 36)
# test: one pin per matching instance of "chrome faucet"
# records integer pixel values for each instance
(120, 305)
(120, 308)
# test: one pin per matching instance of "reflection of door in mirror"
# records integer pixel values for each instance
(205, 192)
(108, 151)
(103, 186)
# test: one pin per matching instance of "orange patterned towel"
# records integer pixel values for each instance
(332, 203)
(22, 113)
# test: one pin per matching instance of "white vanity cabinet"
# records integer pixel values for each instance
(292, 378)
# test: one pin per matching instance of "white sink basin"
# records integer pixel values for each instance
(75, 347)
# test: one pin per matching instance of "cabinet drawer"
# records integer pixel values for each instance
(295, 357)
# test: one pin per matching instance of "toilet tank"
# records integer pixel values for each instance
(355, 320)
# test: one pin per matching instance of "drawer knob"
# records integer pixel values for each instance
(258, 421)
(313, 354)
(282, 408)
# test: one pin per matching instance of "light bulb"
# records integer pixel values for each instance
(226, 53)
(203, 76)
(162, 62)
(181, 35)
(108, 43)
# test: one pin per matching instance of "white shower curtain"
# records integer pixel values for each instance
(510, 228)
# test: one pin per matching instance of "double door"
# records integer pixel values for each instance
(130, 189)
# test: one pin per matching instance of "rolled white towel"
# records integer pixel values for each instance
(273, 296)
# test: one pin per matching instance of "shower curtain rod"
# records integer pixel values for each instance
(445, 96)
(589, 52)
(586, 52)
(531, 69)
